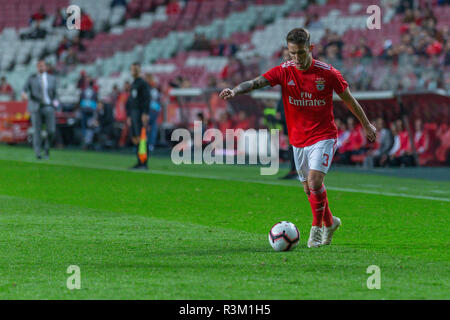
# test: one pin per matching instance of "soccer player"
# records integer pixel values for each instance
(307, 90)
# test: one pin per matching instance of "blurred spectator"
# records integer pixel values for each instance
(241, 121)
(394, 151)
(37, 33)
(333, 39)
(180, 82)
(353, 144)
(313, 22)
(363, 50)
(185, 83)
(409, 16)
(39, 15)
(120, 114)
(120, 107)
(447, 54)
(384, 143)
(155, 109)
(404, 5)
(227, 48)
(114, 95)
(421, 139)
(60, 17)
(177, 82)
(173, 8)
(233, 67)
(70, 57)
(225, 122)
(83, 80)
(115, 3)
(434, 48)
(78, 44)
(63, 45)
(201, 43)
(342, 134)
(387, 51)
(443, 151)
(87, 26)
(401, 152)
(88, 104)
(103, 125)
(6, 89)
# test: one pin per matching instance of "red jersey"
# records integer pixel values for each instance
(308, 100)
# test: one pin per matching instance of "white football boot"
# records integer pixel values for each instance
(328, 232)
(315, 237)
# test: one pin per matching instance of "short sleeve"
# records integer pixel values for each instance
(338, 82)
(273, 76)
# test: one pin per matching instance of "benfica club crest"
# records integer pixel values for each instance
(320, 84)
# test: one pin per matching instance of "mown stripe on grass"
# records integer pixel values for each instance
(201, 176)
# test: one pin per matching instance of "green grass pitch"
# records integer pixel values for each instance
(200, 232)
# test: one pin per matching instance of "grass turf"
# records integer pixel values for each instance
(171, 234)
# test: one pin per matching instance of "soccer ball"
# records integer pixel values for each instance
(284, 236)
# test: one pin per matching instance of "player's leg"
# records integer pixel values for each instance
(315, 233)
(320, 159)
(317, 195)
(317, 202)
(302, 166)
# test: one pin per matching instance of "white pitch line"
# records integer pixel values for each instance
(199, 176)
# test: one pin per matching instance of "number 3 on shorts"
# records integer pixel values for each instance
(327, 157)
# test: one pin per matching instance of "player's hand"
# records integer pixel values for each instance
(371, 132)
(24, 96)
(227, 94)
(129, 121)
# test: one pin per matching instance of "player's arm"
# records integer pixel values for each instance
(245, 87)
(357, 110)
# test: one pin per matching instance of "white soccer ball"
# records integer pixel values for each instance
(284, 236)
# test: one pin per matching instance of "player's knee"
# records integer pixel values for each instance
(314, 183)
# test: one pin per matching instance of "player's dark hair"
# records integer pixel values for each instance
(298, 36)
(136, 64)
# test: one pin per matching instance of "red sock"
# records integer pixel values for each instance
(318, 199)
(327, 216)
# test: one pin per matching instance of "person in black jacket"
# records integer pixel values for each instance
(292, 174)
(105, 122)
(137, 109)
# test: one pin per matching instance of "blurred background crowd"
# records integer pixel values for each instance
(189, 44)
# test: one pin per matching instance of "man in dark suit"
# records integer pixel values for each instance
(40, 91)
